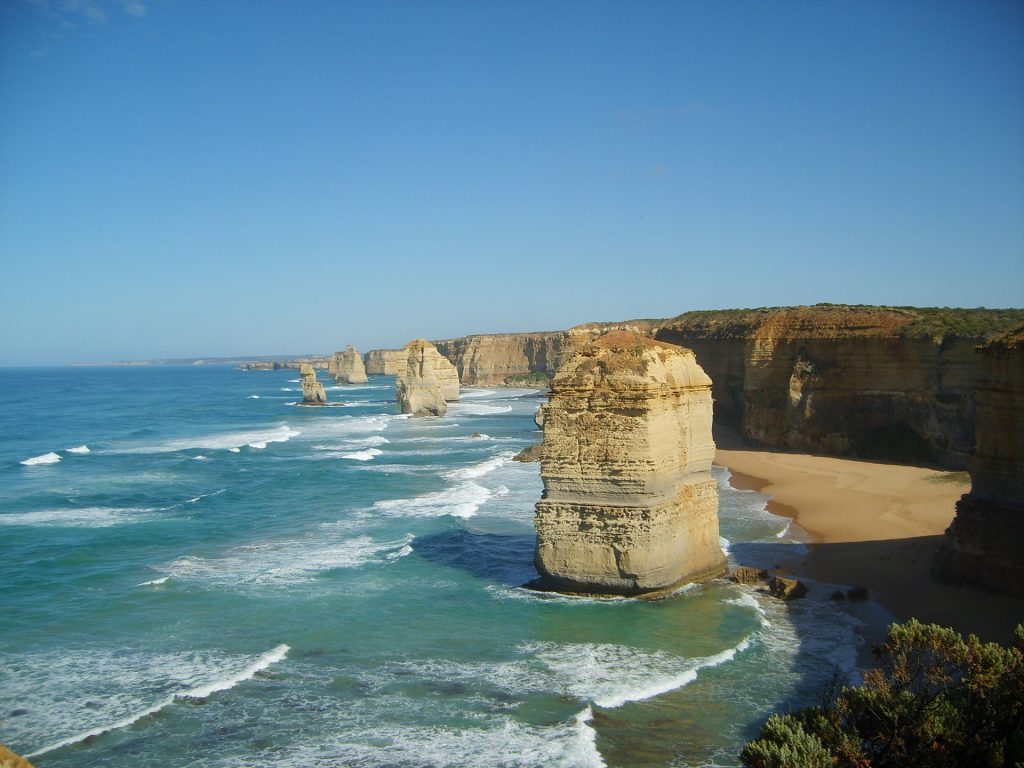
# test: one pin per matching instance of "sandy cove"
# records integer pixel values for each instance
(873, 525)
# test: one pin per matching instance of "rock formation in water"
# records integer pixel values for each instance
(384, 362)
(10, 760)
(871, 382)
(418, 388)
(312, 390)
(629, 504)
(347, 367)
(984, 546)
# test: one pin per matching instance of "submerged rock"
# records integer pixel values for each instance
(347, 367)
(312, 390)
(629, 504)
(417, 388)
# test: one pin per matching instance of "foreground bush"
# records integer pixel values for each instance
(934, 700)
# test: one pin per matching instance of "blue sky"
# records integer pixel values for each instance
(185, 178)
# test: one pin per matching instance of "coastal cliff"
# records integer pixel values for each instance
(425, 380)
(524, 359)
(347, 367)
(870, 382)
(984, 545)
(387, 362)
(629, 504)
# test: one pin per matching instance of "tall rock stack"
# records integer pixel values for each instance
(629, 504)
(984, 545)
(348, 367)
(418, 388)
(312, 390)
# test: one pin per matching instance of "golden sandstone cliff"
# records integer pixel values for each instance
(387, 362)
(347, 367)
(984, 546)
(426, 381)
(629, 504)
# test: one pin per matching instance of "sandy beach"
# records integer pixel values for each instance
(873, 525)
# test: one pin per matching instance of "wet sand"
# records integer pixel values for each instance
(877, 526)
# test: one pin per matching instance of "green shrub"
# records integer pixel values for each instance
(935, 699)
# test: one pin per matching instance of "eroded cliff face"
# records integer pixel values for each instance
(523, 359)
(848, 381)
(629, 503)
(347, 367)
(386, 362)
(312, 390)
(984, 546)
(421, 385)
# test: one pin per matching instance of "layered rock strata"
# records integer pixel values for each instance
(418, 389)
(384, 362)
(629, 504)
(312, 390)
(872, 382)
(524, 359)
(984, 545)
(347, 367)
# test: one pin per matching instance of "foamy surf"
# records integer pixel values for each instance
(231, 441)
(84, 517)
(197, 692)
(462, 500)
(154, 582)
(364, 455)
(79, 449)
(46, 458)
(483, 468)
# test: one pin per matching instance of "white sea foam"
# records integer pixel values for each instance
(483, 468)
(365, 455)
(287, 389)
(283, 563)
(154, 582)
(470, 393)
(231, 441)
(79, 449)
(124, 680)
(253, 397)
(84, 517)
(462, 500)
(200, 457)
(201, 496)
(46, 458)
(477, 409)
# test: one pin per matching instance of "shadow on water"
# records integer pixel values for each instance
(506, 559)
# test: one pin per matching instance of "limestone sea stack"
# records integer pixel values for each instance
(984, 545)
(629, 504)
(312, 390)
(348, 367)
(418, 389)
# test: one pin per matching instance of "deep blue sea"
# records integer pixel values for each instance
(195, 571)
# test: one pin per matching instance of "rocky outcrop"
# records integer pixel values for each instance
(872, 382)
(629, 504)
(347, 367)
(312, 390)
(384, 362)
(984, 545)
(787, 589)
(418, 389)
(10, 760)
(524, 359)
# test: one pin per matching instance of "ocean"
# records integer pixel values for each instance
(196, 571)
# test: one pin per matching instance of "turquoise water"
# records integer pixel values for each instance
(197, 572)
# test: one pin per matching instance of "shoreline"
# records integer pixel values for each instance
(876, 526)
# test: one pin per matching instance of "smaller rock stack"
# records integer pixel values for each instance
(629, 504)
(347, 367)
(418, 388)
(312, 390)
(385, 361)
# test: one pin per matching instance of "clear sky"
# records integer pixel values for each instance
(193, 178)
